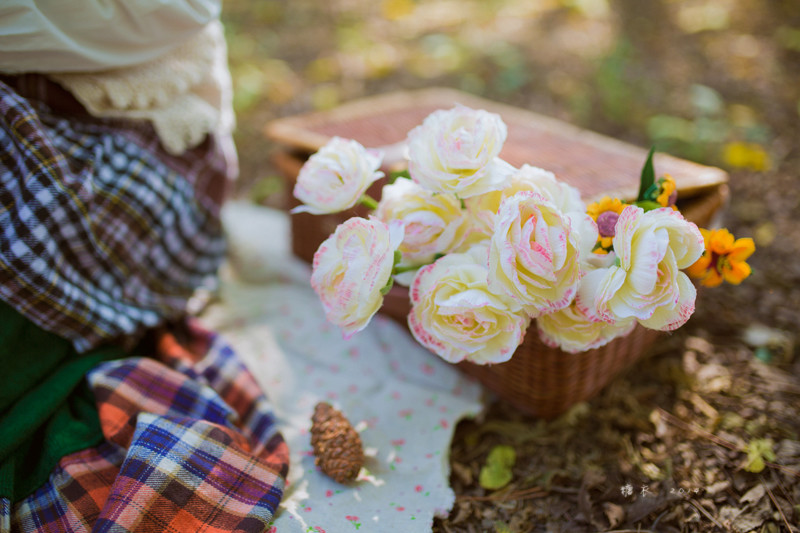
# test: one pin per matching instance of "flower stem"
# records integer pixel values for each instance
(400, 269)
(386, 288)
(368, 201)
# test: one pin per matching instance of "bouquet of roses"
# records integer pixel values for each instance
(485, 248)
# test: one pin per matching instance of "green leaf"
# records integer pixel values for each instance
(502, 454)
(647, 205)
(668, 127)
(758, 451)
(764, 354)
(500, 527)
(705, 100)
(648, 176)
(493, 477)
(394, 174)
(496, 473)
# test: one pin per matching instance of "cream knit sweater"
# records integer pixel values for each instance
(186, 93)
(164, 61)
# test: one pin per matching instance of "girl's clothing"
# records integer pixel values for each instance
(115, 157)
(104, 234)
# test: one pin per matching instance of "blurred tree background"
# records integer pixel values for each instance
(706, 79)
(714, 81)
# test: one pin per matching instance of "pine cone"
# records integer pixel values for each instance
(336, 443)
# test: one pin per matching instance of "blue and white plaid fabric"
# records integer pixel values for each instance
(102, 233)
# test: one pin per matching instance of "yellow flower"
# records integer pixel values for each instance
(723, 259)
(667, 191)
(605, 213)
(397, 9)
(605, 204)
(746, 155)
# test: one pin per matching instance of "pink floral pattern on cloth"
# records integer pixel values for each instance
(404, 401)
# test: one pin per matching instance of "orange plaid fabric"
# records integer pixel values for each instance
(191, 444)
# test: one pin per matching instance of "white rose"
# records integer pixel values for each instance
(646, 282)
(566, 198)
(455, 151)
(335, 178)
(572, 331)
(434, 223)
(535, 253)
(351, 267)
(455, 315)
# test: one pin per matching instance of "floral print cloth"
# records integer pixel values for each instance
(404, 401)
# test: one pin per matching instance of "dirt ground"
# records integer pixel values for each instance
(703, 433)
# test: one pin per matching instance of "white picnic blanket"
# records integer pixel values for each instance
(404, 401)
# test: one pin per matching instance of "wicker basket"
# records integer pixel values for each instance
(539, 380)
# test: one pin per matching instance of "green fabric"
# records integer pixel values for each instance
(46, 408)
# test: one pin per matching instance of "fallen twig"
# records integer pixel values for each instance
(785, 492)
(775, 503)
(706, 513)
(533, 492)
(564, 490)
(659, 519)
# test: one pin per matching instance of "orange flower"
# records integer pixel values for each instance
(723, 259)
(667, 191)
(605, 213)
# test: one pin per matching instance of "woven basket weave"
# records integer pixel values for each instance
(539, 380)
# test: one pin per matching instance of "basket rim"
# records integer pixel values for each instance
(302, 132)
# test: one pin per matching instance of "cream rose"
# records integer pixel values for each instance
(434, 223)
(566, 198)
(455, 315)
(535, 253)
(646, 282)
(572, 331)
(351, 267)
(455, 151)
(335, 178)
